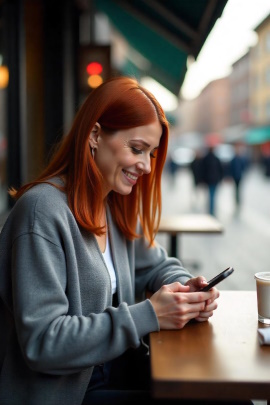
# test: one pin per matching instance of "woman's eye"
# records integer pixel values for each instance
(136, 151)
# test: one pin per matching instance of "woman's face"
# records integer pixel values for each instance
(126, 155)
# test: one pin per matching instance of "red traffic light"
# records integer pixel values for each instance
(94, 68)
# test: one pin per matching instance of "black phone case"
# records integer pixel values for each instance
(217, 279)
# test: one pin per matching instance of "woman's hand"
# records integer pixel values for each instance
(176, 304)
(196, 284)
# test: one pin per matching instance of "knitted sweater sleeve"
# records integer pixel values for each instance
(155, 268)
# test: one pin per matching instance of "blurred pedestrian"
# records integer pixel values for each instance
(172, 168)
(212, 174)
(237, 167)
(196, 168)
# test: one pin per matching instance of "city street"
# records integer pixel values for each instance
(245, 242)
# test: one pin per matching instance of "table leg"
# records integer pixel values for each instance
(174, 246)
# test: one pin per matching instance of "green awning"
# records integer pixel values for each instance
(164, 32)
(258, 135)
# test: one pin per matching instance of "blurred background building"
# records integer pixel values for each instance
(236, 107)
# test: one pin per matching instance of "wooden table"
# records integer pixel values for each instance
(188, 223)
(221, 358)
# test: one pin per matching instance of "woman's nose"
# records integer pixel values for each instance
(145, 164)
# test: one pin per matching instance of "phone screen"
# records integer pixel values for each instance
(217, 279)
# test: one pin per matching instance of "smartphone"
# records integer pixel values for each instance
(221, 276)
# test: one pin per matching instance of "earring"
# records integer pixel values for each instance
(93, 153)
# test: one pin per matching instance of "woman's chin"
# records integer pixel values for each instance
(126, 190)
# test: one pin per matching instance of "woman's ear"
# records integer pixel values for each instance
(94, 134)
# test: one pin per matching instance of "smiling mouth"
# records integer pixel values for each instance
(130, 176)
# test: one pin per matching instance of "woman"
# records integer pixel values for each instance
(76, 248)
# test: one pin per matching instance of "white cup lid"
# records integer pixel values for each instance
(263, 276)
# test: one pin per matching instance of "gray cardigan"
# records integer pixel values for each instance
(56, 311)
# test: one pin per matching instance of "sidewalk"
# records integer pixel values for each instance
(245, 241)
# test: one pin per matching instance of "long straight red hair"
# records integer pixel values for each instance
(119, 103)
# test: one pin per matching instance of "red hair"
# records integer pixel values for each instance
(120, 103)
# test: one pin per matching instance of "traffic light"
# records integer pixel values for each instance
(94, 66)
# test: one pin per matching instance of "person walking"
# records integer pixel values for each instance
(196, 171)
(237, 168)
(196, 168)
(212, 174)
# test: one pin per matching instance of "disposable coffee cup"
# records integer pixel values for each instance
(263, 296)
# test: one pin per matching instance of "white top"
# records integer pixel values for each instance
(109, 263)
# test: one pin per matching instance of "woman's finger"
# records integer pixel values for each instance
(204, 316)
